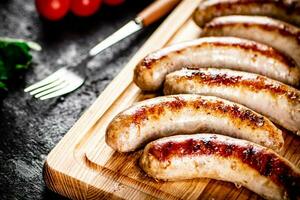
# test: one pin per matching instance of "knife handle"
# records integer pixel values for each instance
(155, 11)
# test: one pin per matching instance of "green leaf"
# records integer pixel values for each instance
(14, 57)
(2, 85)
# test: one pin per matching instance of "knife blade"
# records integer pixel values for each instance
(128, 29)
(152, 13)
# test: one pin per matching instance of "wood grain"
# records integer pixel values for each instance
(82, 166)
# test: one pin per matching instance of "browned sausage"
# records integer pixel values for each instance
(167, 115)
(286, 10)
(223, 158)
(279, 102)
(219, 52)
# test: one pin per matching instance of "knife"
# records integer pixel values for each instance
(152, 13)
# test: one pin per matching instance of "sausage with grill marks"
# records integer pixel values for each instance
(279, 102)
(164, 116)
(275, 33)
(285, 10)
(219, 157)
(229, 52)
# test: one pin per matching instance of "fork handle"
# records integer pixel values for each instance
(155, 11)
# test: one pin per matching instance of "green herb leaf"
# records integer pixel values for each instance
(2, 85)
(14, 57)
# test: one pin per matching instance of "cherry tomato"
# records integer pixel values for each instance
(113, 2)
(52, 9)
(85, 8)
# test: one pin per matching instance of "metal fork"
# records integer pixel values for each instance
(68, 79)
(61, 82)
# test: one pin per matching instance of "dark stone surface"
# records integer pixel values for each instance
(29, 128)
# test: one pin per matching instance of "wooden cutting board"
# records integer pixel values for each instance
(82, 166)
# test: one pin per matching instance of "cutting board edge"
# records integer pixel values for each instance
(54, 177)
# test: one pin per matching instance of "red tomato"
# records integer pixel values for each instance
(85, 7)
(52, 9)
(113, 2)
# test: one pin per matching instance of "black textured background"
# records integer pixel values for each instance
(29, 128)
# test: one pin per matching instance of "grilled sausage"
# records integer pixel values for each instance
(279, 102)
(228, 52)
(164, 116)
(275, 33)
(286, 10)
(223, 158)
